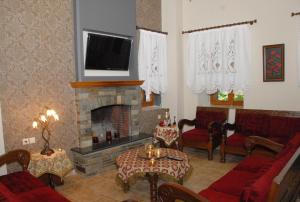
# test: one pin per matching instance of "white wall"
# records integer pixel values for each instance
(172, 23)
(275, 25)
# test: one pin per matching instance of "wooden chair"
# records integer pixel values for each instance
(207, 133)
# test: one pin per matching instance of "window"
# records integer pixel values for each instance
(227, 98)
(155, 99)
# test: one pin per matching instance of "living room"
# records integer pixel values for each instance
(39, 60)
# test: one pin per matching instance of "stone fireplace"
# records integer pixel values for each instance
(113, 106)
(107, 106)
(114, 119)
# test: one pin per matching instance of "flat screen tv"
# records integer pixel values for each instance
(106, 52)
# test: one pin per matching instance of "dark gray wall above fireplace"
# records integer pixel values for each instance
(107, 16)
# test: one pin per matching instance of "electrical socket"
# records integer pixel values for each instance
(31, 140)
(25, 141)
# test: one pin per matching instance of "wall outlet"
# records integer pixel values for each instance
(31, 140)
(25, 141)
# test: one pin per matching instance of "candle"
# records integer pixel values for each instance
(152, 162)
(150, 146)
(157, 153)
(149, 153)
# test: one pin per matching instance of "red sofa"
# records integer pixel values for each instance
(277, 126)
(255, 179)
(22, 186)
(207, 133)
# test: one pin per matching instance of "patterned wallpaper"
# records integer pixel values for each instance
(148, 14)
(36, 66)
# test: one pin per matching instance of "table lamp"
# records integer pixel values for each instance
(44, 120)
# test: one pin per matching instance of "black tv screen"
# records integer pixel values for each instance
(106, 52)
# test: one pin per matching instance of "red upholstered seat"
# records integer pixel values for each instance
(295, 140)
(252, 124)
(278, 126)
(236, 140)
(258, 190)
(22, 186)
(207, 133)
(196, 134)
(281, 140)
(215, 196)
(44, 193)
(204, 118)
(21, 181)
(254, 163)
(283, 126)
(234, 182)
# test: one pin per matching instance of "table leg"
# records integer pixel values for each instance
(126, 187)
(51, 183)
(180, 181)
(153, 178)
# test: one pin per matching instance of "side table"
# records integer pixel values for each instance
(167, 135)
(54, 167)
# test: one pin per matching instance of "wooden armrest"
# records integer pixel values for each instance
(183, 122)
(252, 141)
(21, 156)
(170, 192)
(215, 127)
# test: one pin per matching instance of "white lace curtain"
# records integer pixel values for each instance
(218, 59)
(152, 62)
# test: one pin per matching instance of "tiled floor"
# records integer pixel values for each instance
(105, 188)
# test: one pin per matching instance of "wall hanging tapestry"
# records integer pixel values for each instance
(273, 62)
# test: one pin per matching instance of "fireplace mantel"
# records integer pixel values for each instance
(89, 84)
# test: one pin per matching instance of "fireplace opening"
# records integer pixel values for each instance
(113, 119)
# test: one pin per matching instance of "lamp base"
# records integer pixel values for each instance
(47, 152)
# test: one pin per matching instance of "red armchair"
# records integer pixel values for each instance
(207, 133)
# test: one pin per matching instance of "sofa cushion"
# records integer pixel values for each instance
(44, 194)
(281, 126)
(6, 195)
(236, 140)
(259, 189)
(21, 181)
(196, 134)
(234, 182)
(295, 140)
(215, 196)
(203, 118)
(252, 124)
(254, 163)
(281, 140)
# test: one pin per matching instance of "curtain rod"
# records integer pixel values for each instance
(152, 30)
(293, 14)
(251, 22)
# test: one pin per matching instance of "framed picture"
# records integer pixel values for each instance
(273, 59)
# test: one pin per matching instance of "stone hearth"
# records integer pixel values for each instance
(92, 97)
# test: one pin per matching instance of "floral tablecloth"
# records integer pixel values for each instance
(58, 164)
(166, 134)
(130, 164)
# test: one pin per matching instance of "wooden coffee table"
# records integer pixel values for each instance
(131, 164)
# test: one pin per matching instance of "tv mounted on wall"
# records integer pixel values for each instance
(106, 55)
